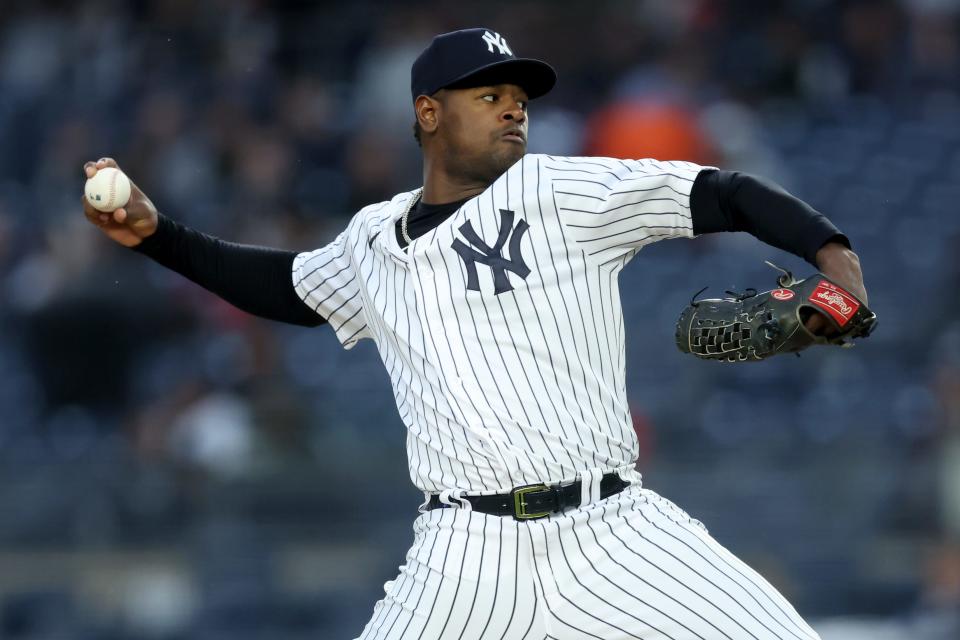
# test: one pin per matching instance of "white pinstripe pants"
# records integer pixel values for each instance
(631, 566)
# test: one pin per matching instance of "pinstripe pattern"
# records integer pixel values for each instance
(522, 387)
(633, 566)
(519, 378)
(467, 576)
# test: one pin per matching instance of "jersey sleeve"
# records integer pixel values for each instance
(612, 208)
(326, 280)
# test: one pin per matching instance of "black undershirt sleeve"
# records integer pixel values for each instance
(257, 280)
(733, 201)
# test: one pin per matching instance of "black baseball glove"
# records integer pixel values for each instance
(754, 326)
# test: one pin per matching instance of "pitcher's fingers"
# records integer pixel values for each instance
(120, 215)
(95, 216)
(90, 168)
(819, 325)
(106, 162)
(92, 215)
(88, 210)
(815, 324)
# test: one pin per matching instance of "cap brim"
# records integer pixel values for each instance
(534, 76)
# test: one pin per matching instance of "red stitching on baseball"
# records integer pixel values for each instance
(113, 189)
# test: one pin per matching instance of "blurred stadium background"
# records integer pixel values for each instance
(171, 468)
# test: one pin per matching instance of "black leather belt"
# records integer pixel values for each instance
(534, 501)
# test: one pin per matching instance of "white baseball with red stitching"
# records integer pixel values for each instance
(109, 189)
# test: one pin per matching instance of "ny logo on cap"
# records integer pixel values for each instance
(496, 40)
(491, 256)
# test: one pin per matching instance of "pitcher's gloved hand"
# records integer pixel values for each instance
(754, 326)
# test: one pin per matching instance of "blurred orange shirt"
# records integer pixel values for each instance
(647, 129)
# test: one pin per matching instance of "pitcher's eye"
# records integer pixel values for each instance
(490, 97)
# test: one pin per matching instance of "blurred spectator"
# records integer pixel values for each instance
(647, 129)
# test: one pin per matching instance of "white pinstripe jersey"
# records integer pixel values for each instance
(507, 370)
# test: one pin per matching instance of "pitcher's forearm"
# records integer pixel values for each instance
(254, 279)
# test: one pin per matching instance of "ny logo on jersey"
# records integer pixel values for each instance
(496, 40)
(491, 256)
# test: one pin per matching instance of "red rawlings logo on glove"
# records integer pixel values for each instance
(838, 303)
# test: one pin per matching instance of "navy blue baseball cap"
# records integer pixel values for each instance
(476, 58)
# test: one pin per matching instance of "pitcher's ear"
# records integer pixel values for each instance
(427, 109)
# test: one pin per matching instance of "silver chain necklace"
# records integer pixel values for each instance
(406, 215)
